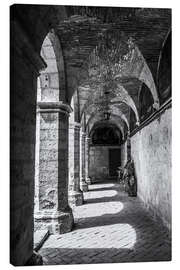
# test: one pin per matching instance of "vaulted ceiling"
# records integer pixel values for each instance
(79, 35)
(79, 30)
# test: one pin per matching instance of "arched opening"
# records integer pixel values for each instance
(51, 168)
(145, 103)
(106, 135)
(105, 151)
(49, 77)
(164, 70)
(133, 120)
(45, 153)
(100, 142)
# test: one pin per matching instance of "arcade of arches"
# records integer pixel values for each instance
(90, 90)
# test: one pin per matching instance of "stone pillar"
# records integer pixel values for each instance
(128, 148)
(124, 153)
(52, 210)
(24, 70)
(87, 145)
(83, 184)
(75, 194)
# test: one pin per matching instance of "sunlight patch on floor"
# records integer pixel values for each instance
(101, 194)
(109, 236)
(100, 186)
(98, 209)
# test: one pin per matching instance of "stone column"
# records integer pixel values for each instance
(128, 148)
(87, 145)
(52, 210)
(75, 194)
(83, 184)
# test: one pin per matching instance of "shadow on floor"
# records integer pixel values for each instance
(152, 241)
(55, 256)
(134, 217)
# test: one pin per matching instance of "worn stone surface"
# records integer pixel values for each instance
(84, 185)
(151, 152)
(48, 176)
(75, 198)
(109, 228)
(56, 222)
(54, 212)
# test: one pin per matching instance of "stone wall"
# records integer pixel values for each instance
(99, 162)
(22, 136)
(151, 152)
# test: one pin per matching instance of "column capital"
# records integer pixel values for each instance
(53, 106)
(75, 125)
(88, 138)
(83, 134)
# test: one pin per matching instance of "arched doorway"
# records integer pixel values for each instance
(105, 151)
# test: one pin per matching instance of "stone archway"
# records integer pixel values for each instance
(29, 27)
(51, 190)
(26, 63)
(105, 151)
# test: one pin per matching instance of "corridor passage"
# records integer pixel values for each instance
(109, 227)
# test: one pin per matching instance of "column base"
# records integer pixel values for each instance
(83, 185)
(88, 181)
(36, 259)
(57, 222)
(75, 198)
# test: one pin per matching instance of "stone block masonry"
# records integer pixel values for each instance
(83, 164)
(75, 194)
(51, 202)
(48, 153)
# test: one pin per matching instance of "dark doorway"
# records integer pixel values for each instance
(114, 161)
(106, 135)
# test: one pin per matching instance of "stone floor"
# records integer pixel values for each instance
(109, 228)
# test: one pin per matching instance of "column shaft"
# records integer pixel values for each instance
(87, 145)
(83, 184)
(75, 194)
(52, 210)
